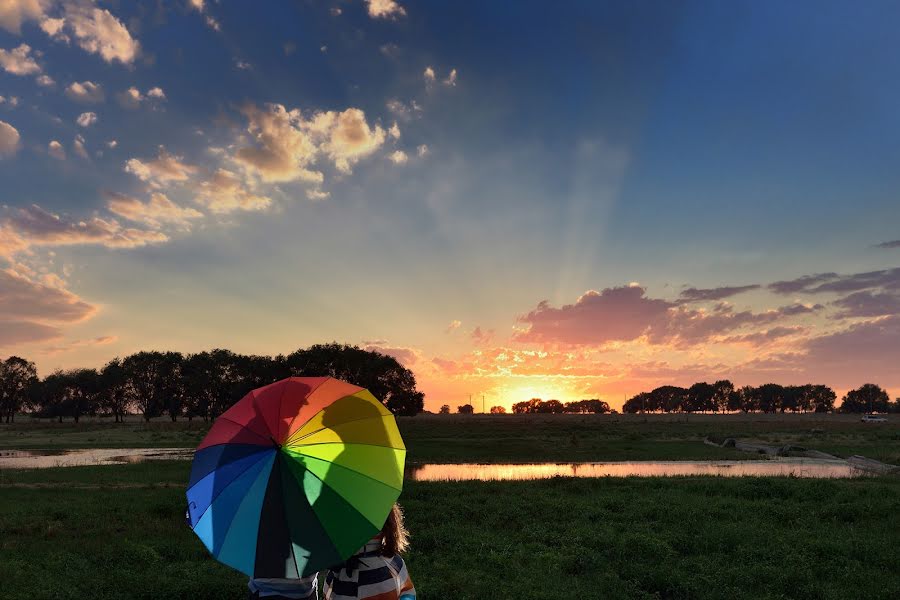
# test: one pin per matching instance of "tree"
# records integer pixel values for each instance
(552, 407)
(700, 397)
(498, 410)
(17, 375)
(821, 398)
(465, 409)
(722, 391)
(769, 397)
(379, 373)
(587, 406)
(114, 389)
(640, 403)
(445, 409)
(154, 383)
(867, 398)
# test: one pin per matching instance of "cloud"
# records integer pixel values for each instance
(863, 352)
(719, 293)
(429, 75)
(626, 313)
(34, 226)
(761, 338)
(394, 131)
(9, 139)
(85, 91)
(133, 98)
(13, 101)
(97, 31)
(868, 304)
(22, 298)
(451, 78)
(225, 192)
(421, 150)
(481, 336)
(86, 119)
(408, 357)
(287, 145)
(622, 313)
(78, 147)
(103, 340)
(833, 282)
(56, 150)
(45, 81)
(891, 244)
(402, 110)
(54, 28)
(384, 9)
(18, 61)
(317, 194)
(453, 326)
(242, 65)
(153, 213)
(14, 333)
(398, 157)
(15, 12)
(162, 170)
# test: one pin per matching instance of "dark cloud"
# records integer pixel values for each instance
(832, 282)
(761, 338)
(24, 332)
(719, 293)
(868, 304)
(891, 244)
(24, 299)
(868, 351)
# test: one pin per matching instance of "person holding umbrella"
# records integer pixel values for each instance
(292, 480)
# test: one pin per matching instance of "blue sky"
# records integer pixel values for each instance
(418, 177)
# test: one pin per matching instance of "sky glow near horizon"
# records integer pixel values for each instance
(560, 201)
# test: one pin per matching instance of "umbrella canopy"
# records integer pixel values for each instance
(295, 477)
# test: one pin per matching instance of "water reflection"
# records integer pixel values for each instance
(498, 472)
(44, 459)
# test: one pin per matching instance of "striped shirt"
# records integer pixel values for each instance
(368, 575)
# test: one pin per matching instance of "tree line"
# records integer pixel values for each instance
(201, 385)
(722, 396)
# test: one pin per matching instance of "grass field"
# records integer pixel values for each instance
(530, 438)
(118, 531)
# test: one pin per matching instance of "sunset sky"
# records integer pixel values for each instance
(531, 199)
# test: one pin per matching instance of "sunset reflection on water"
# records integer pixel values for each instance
(501, 472)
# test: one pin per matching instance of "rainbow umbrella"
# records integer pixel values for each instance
(295, 477)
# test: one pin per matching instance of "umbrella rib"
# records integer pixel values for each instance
(238, 476)
(333, 464)
(236, 511)
(291, 439)
(311, 392)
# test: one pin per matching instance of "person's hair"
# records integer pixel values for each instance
(395, 537)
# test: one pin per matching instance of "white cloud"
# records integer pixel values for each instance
(158, 210)
(97, 31)
(162, 170)
(56, 150)
(422, 150)
(398, 157)
(335, 11)
(19, 61)
(86, 119)
(451, 78)
(394, 131)
(224, 192)
(45, 81)
(78, 147)
(13, 101)
(385, 9)
(130, 98)
(429, 75)
(242, 65)
(156, 92)
(316, 194)
(54, 28)
(15, 12)
(85, 91)
(112, 143)
(9, 139)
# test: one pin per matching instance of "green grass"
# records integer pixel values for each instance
(561, 538)
(529, 438)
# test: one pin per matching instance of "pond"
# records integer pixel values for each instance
(45, 459)
(765, 468)
(782, 467)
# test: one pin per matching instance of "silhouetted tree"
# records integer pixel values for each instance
(114, 389)
(379, 373)
(587, 406)
(700, 397)
(445, 409)
(465, 409)
(154, 383)
(722, 395)
(821, 398)
(638, 403)
(83, 393)
(867, 398)
(498, 410)
(17, 375)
